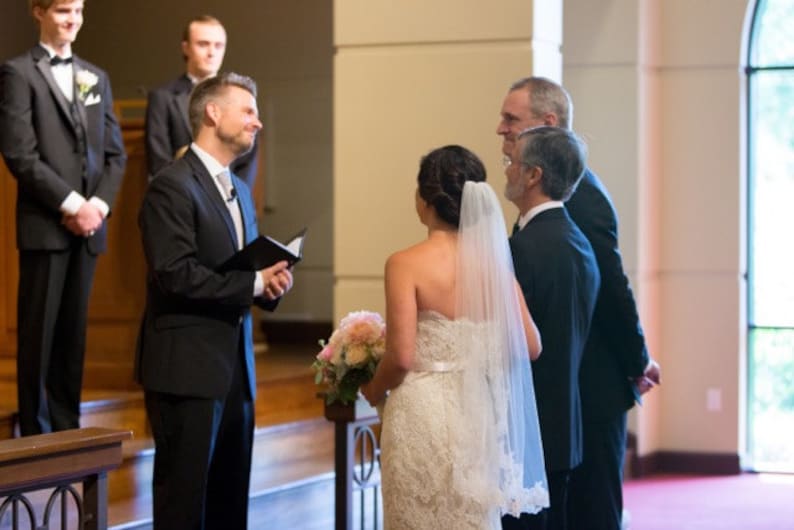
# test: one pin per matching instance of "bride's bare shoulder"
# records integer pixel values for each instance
(409, 257)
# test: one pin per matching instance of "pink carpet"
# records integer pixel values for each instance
(687, 502)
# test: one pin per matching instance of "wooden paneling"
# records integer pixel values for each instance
(8, 261)
(118, 295)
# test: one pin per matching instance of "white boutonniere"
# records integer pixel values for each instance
(85, 80)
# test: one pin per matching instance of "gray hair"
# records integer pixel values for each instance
(560, 154)
(212, 89)
(546, 96)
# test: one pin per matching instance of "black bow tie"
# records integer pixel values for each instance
(55, 60)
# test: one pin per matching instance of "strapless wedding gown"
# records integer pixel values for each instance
(424, 435)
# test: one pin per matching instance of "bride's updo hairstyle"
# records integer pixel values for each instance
(442, 173)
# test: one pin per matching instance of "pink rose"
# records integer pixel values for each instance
(325, 354)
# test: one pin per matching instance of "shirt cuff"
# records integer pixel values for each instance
(101, 205)
(259, 284)
(72, 203)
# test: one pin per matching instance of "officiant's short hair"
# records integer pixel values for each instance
(213, 88)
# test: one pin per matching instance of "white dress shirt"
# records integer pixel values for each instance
(220, 174)
(527, 217)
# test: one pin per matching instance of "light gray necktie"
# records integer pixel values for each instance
(230, 197)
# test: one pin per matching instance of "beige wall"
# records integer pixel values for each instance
(409, 77)
(658, 94)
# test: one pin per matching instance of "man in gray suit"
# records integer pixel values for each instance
(168, 129)
(63, 145)
(195, 351)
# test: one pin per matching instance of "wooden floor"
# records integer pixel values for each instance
(293, 451)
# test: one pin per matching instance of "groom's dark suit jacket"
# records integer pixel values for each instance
(195, 344)
(168, 130)
(191, 332)
(558, 274)
(40, 145)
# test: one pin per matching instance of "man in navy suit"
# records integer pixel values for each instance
(616, 368)
(558, 274)
(168, 130)
(63, 145)
(195, 350)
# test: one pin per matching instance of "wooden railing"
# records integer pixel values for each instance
(58, 461)
(357, 464)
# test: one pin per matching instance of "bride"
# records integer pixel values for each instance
(460, 444)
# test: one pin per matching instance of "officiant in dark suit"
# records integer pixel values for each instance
(195, 355)
(63, 145)
(168, 130)
(616, 368)
(558, 274)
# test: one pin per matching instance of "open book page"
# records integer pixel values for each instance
(295, 245)
(264, 252)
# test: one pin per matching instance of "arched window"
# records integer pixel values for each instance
(771, 246)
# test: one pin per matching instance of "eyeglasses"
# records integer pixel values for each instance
(506, 161)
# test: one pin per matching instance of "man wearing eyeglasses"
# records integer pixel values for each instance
(63, 145)
(616, 368)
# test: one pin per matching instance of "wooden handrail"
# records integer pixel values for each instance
(59, 459)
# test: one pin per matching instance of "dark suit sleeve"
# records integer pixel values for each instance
(592, 211)
(159, 151)
(115, 156)
(174, 223)
(19, 145)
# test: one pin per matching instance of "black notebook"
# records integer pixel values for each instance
(264, 252)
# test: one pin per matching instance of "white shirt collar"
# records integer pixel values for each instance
(51, 51)
(527, 217)
(195, 80)
(214, 168)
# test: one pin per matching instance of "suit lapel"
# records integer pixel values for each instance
(207, 183)
(43, 65)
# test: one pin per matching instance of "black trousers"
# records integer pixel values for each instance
(202, 461)
(596, 490)
(52, 309)
(552, 518)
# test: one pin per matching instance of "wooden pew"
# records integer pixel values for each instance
(58, 460)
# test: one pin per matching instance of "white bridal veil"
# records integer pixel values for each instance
(502, 455)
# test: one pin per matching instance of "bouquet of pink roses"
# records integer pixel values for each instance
(350, 356)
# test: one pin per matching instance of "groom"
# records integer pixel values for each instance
(63, 145)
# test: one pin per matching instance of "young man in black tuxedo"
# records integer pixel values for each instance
(62, 143)
(168, 130)
(616, 368)
(558, 274)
